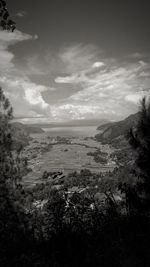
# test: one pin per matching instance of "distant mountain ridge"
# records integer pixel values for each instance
(73, 123)
(114, 132)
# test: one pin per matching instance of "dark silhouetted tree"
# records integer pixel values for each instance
(139, 139)
(9, 177)
(5, 22)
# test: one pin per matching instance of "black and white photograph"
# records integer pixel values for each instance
(74, 133)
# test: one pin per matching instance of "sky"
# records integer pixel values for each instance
(71, 60)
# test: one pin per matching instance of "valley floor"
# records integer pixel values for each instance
(69, 154)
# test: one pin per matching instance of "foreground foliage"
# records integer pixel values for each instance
(6, 22)
(79, 228)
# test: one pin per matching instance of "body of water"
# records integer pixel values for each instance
(78, 131)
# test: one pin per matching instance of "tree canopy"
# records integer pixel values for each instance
(139, 139)
(6, 22)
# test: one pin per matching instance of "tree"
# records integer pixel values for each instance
(5, 22)
(5, 138)
(139, 139)
(11, 162)
(54, 213)
(9, 174)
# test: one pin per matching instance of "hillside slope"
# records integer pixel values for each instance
(114, 132)
(29, 129)
(21, 134)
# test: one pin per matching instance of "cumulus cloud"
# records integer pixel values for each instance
(26, 96)
(117, 87)
(76, 111)
(105, 84)
(85, 82)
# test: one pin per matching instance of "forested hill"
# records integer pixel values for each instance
(21, 134)
(27, 128)
(114, 132)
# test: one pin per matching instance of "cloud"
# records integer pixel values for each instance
(21, 14)
(76, 111)
(35, 37)
(114, 84)
(136, 55)
(144, 74)
(137, 96)
(72, 79)
(106, 84)
(78, 61)
(73, 111)
(84, 82)
(78, 57)
(68, 79)
(10, 38)
(26, 96)
(7, 39)
(98, 65)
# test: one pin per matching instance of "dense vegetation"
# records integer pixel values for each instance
(82, 223)
(99, 156)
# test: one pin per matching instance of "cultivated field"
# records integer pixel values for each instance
(67, 154)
